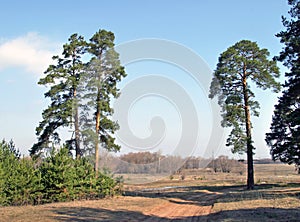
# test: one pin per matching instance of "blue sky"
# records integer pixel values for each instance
(32, 31)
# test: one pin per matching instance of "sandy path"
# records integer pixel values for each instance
(178, 209)
(184, 206)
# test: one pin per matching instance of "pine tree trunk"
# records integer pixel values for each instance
(98, 112)
(250, 174)
(97, 139)
(77, 136)
(76, 116)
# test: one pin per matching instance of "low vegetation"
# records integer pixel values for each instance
(58, 177)
(202, 196)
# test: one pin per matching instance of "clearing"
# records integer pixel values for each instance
(201, 196)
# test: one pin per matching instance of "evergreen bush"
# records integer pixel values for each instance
(59, 177)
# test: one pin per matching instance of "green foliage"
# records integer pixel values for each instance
(284, 138)
(19, 180)
(57, 174)
(239, 64)
(103, 72)
(57, 178)
(64, 178)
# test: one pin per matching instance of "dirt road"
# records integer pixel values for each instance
(177, 209)
(180, 204)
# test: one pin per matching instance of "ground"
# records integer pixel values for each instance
(201, 196)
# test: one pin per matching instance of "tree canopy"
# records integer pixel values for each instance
(284, 138)
(63, 78)
(99, 86)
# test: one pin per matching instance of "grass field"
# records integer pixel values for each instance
(201, 196)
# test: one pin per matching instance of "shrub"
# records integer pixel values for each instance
(58, 178)
(64, 179)
(19, 180)
(57, 174)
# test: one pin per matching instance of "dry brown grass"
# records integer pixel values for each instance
(112, 209)
(202, 196)
(267, 203)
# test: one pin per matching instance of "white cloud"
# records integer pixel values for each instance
(32, 52)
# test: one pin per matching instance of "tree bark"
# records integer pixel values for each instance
(76, 116)
(77, 136)
(98, 118)
(97, 135)
(250, 174)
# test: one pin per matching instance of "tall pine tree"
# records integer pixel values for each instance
(240, 64)
(284, 138)
(102, 74)
(63, 79)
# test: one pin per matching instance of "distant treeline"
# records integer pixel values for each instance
(147, 162)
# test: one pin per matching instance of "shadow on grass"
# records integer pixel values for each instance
(264, 191)
(208, 195)
(202, 195)
(198, 195)
(80, 214)
(258, 214)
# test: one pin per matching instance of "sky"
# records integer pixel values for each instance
(33, 31)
